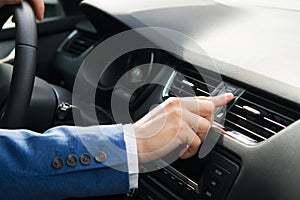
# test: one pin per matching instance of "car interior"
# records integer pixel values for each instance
(141, 53)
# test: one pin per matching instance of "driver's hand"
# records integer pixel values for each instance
(37, 6)
(176, 122)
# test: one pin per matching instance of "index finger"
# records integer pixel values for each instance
(219, 100)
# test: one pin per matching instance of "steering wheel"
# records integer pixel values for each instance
(13, 113)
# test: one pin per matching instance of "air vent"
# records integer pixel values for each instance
(189, 82)
(251, 118)
(80, 43)
(259, 118)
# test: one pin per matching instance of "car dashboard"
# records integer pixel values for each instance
(216, 48)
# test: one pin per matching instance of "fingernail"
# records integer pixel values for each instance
(228, 95)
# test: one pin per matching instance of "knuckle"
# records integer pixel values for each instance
(173, 101)
(197, 142)
(210, 107)
(176, 112)
(203, 129)
(176, 118)
(173, 108)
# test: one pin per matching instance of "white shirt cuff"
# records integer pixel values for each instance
(132, 155)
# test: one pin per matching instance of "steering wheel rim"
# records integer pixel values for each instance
(22, 81)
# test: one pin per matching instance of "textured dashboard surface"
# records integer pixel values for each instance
(253, 44)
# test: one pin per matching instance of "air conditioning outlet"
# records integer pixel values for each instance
(189, 82)
(258, 118)
(251, 118)
(80, 43)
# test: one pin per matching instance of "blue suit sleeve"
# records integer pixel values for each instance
(28, 170)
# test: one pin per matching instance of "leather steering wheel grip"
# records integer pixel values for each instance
(21, 87)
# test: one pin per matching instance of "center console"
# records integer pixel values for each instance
(194, 178)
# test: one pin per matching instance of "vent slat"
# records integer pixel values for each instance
(78, 47)
(187, 85)
(209, 76)
(252, 116)
(202, 84)
(256, 114)
(253, 123)
(250, 125)
(236, 127)
(183, 92)
(259, 120)
(282, 110)
(268, 112)
(181, 87)
(80, 43)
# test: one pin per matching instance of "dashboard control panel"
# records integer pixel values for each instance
(208, 179)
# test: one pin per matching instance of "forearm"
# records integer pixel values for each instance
(27, 170)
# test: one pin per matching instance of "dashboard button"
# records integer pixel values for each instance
(213, 182)
(218, 171)
(189, 189)
(180, 183)
(209, 194)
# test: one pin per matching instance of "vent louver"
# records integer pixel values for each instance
(190, 83)
(252, 118)
(80, 43)
(259, 118)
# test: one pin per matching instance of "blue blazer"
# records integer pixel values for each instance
(63, 162)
